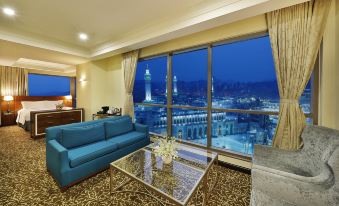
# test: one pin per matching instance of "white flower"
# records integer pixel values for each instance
(166, 147)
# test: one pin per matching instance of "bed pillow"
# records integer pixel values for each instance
(78, 136)
(51, 104)
(32, 105)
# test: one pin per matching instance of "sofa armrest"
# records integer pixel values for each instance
(56, 156)
(276, 158)
(141, 128)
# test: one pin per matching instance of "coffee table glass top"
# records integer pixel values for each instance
(177, 179)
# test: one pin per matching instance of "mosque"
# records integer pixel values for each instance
(192, 124)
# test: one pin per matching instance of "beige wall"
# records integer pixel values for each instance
(240, 28)
(329, 80)
(102, 85)
(35, 71)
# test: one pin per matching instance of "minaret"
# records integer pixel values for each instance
(148, 94)
(175, 90)
(212, 86)
(166, 86)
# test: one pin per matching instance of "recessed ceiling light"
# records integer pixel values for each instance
(83, 36)
(8, 11)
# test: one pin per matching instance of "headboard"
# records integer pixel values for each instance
(15, 105)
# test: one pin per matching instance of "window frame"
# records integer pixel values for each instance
(73, 86)
(314, 92)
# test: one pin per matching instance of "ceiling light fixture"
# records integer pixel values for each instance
(8, 11)
(83, 36)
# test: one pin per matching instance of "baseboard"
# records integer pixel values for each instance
(234, 167)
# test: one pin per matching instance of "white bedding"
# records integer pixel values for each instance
(27, 107)
(24, 115)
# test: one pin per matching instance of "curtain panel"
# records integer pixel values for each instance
(295, 35)
(129, 64)
(13, 81)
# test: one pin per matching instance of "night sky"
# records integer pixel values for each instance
(45, 85)
(242, 61)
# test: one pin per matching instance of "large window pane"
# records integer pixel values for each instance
(239, 132)
(244, 76)
(306, 99)
(150, 81)
(190, 125)
(154, 117)
(189, 71)
(47, 85)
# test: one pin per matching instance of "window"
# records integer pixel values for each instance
(154, 117)
(224, 96)
(150, 81)
(150, 91)
(189, 72)
(238, 132)
(244, 76)
(47, 85)
(190, 125)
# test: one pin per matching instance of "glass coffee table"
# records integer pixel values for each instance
(175, 183)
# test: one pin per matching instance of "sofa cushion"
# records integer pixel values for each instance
(81, 155)
(78, 136)
(117, 127)
(127, 139)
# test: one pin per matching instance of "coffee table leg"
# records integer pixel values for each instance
(205, 189)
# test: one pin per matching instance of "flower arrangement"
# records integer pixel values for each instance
(166, 148)
(59, 106)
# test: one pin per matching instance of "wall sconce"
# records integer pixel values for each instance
(82, 80)
(8, 99)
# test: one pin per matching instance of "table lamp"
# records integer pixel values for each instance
(8, 99)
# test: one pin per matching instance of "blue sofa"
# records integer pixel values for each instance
(77, 151)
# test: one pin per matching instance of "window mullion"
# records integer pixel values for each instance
(209, 96)
(169, 94)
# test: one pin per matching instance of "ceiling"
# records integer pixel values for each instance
(51, 27)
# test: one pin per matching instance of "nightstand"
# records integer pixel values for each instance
(8, 119)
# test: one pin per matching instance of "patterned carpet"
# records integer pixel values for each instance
(25, 181)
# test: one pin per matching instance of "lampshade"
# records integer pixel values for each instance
(69, 97)
(8, 98)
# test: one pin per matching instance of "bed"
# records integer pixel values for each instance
(36, 116)
(24, 115)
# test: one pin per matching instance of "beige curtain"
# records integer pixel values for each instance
(129, 64)
(295, 33)
(13, 81)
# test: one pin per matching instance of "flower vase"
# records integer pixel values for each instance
(167, 159)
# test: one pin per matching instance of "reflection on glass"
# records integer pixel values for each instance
(190, 125)
(189, 75)
(239, 132)
(154, 117)
(177, 179)
(150, 81)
